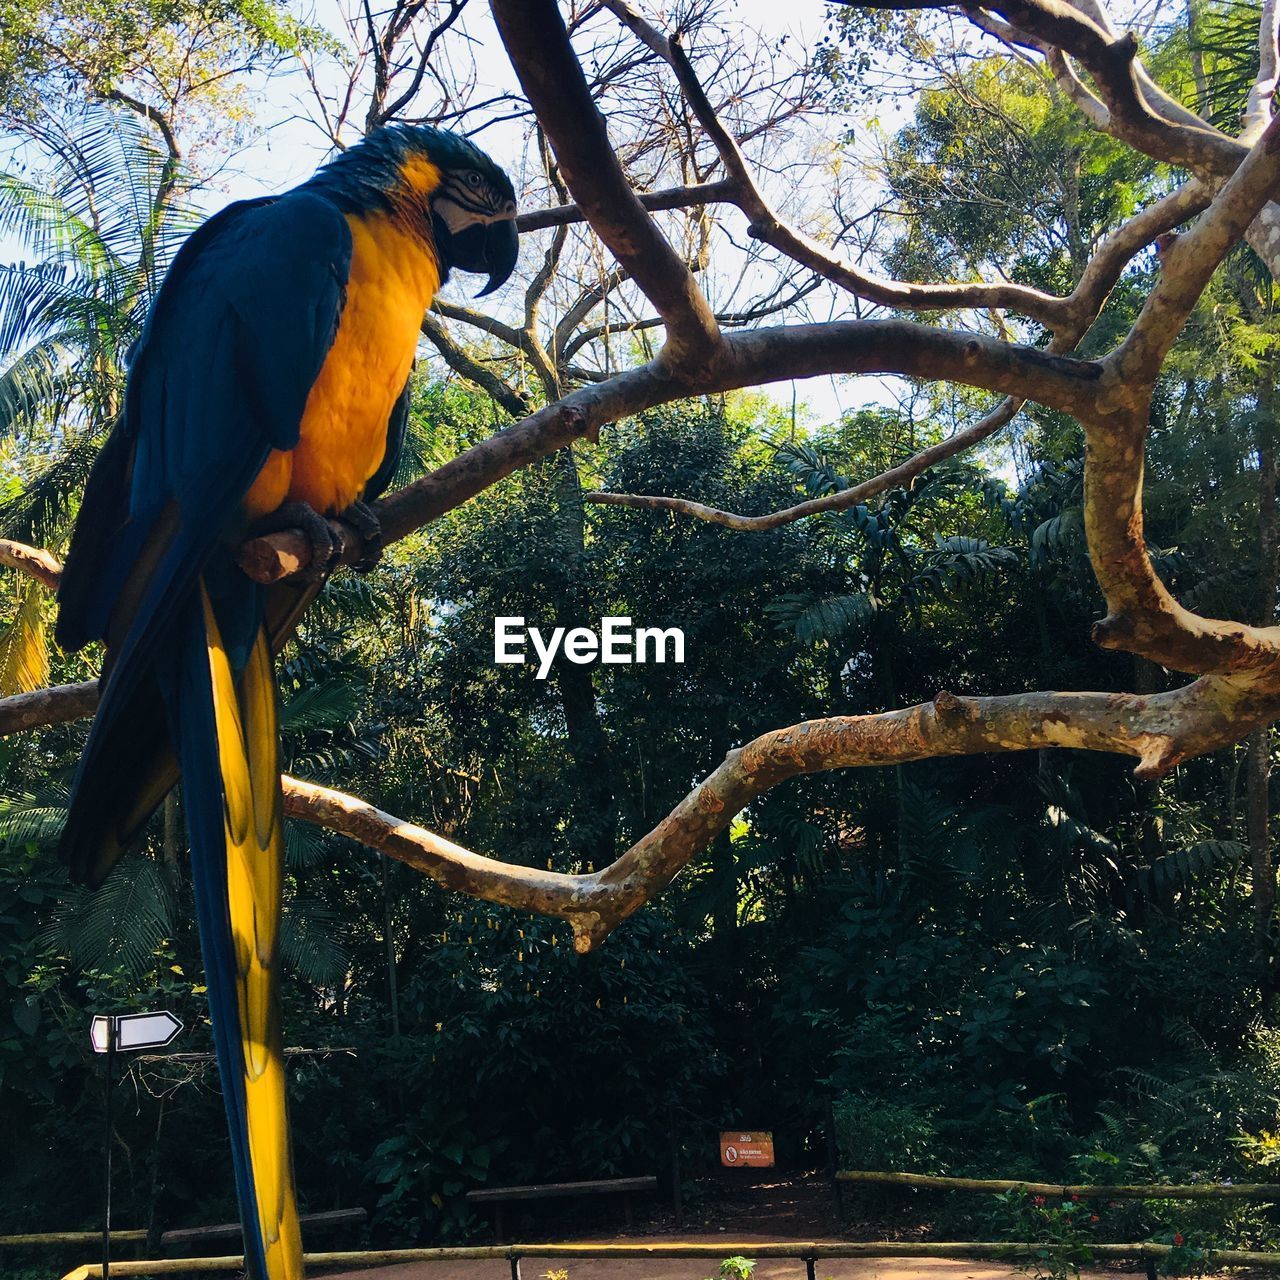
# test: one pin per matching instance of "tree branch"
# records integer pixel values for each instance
(892, 478)
(1081, 308)
(461, 363)
(766, 225)
(538, 45)
(59, 704)
(1192, 259)
(1142, 615)
(35, 562)
(1138, 111)
(455, 12)
(1257, 112)
(655, 201)
(1160, 731)
(749, 359)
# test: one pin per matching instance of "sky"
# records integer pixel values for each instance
(287, 146)
(293, 146)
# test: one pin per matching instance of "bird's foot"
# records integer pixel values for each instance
(362, 518)
(326, 546)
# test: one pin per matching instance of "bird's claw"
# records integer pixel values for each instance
(362, 518)
(326, 546)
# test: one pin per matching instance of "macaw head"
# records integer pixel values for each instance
(440, 183)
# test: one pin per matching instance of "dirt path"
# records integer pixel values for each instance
(696, 1268)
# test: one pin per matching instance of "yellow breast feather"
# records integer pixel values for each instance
(392, 281)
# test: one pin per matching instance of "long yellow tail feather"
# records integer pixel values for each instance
(248, 751)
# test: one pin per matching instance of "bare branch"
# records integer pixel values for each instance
(726, 319)
(1160, 731)
(455, 12)
(699, 193)
(894, 477)
(766, 225)
(562, 348)
(1081, 309)
(749, 359)
(460, 362)
(1093, 109)
(538, 46)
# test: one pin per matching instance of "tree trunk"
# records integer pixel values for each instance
(596, 822)
(1258, 826)
(1258, 802)
(172, 831)
(388, 933)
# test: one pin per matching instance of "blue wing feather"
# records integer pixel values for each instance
(220, 377)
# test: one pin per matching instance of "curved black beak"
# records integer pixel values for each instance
(489, 248)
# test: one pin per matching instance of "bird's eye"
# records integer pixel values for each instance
(473, 179)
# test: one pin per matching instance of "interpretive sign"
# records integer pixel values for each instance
(746, 1150)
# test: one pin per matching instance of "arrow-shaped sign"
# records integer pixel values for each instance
(133, 1031)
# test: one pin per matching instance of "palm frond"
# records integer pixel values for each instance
(33, 818)
(24, 646)
(825, 618)
(1177, 870)
(328, 704)
(37, 378)
(813, 471)
(40, 510)
(120, 924)
(307, 945)
(304, 845)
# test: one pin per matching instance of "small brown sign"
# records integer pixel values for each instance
(746, 1150)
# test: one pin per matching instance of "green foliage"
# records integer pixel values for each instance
(1060, 1230)
(878, 1133)
(168, 54)
(121, 924)
(1177, 870)
(737, 1268)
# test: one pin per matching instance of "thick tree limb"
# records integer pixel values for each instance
(1160, 731)
(1257, 112)
(747, 359)
(538, 45)
(35, 562)
(59, 704)
(1143, 616)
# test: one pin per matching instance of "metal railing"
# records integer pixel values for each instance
(807, 1252)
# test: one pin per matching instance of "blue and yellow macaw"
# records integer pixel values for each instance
(269, 389)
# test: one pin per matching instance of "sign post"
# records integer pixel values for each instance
(109, 1034)
(108, 1085)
